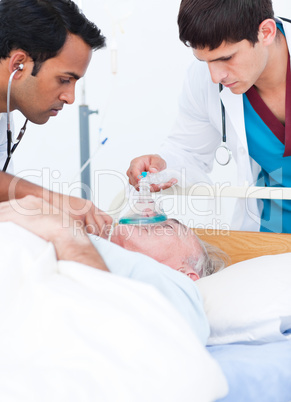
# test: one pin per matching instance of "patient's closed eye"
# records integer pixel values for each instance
(167, 225)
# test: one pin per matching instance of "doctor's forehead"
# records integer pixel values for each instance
(225, 51)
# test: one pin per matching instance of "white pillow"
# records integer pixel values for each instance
(249, 301)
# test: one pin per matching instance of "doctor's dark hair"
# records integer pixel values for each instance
(40, 28)
(208, 23)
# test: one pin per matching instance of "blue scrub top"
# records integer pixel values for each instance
(266, 143)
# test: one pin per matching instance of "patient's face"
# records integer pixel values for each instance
(169, 242)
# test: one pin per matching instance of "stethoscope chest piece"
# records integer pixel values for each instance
(223, 155)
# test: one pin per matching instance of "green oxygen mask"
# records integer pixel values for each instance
(145, 211)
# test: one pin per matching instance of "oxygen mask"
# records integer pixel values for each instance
(145, 211)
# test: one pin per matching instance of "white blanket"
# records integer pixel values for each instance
(181, 291)
(73, 333)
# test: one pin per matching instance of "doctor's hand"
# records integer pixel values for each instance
(68, 236)
(148, 163)
(95, 221)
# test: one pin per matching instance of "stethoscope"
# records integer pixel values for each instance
(10, 148)
(223, 153)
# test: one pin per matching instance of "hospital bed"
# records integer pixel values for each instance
(255, 371)
(246, 303)
(70, 333)
(241, 246)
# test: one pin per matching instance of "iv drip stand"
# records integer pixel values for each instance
(84, 114)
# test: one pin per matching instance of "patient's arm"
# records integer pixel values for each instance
(52, 224)
(96, 221)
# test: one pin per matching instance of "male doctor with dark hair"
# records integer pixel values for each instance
(237, 100)
(45, 48)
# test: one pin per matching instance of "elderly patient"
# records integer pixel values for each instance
(173, 244)
(170, 242)
(72, 243)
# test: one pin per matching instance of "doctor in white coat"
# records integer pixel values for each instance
(232, 57)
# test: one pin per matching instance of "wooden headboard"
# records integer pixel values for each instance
(242, 246)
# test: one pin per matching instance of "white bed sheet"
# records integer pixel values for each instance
(69, 332)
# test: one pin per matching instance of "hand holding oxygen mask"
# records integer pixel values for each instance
(145, 211)
(153, 164)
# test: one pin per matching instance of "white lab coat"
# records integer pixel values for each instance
(198, 132)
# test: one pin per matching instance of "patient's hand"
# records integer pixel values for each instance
(55, 225)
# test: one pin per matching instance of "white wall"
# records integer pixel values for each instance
(137, 106)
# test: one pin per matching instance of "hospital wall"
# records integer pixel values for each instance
(137, 107)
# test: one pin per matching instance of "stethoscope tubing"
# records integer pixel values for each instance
(222, 116)
(226, 152)
(10, 148)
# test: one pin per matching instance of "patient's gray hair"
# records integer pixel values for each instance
(211, 259)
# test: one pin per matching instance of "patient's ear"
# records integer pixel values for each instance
(188, 270)
(193, 275)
